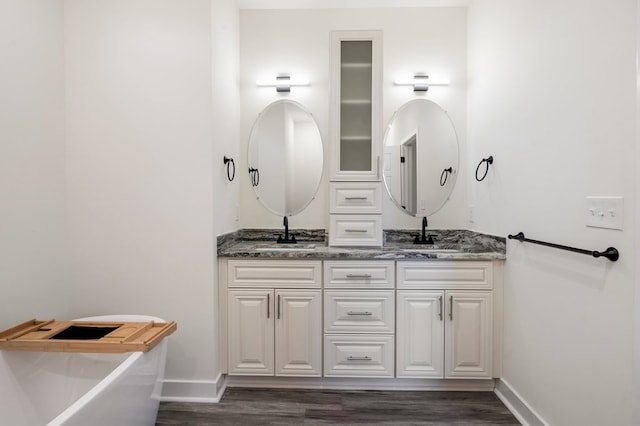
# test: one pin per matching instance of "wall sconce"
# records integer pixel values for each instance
(420, 82)
(282, 83)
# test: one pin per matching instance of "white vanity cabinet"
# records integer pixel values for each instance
(403, 322)
(359, 322)
(445, 325)
(274, 318)
(355, 143)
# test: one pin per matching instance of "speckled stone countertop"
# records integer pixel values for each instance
(451, 244)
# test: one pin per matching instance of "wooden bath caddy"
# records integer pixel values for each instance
(85, 336)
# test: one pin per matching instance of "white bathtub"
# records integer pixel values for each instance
(55, 389)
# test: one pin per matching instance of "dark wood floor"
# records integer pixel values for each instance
(325, 407)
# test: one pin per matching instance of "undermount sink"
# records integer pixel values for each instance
(292, 247)
(430, 250)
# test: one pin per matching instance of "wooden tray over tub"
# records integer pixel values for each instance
(85, 336)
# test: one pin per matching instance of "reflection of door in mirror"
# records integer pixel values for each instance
(408, 175)
(401, 172)
(392, 170)
(422, 134)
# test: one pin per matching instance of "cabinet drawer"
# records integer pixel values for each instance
(445, 275)
(359, 311)
(355, 197)
(358, 356)
(355, 230)
(274, 273)
(359, 274)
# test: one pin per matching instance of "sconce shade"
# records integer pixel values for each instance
(420, 82)
(282, 83)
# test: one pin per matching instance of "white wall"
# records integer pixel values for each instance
(225, 95)
(636, 334)
(33, 260)
(139, 166)
(552, 93)
(297, 41)
(225, 23)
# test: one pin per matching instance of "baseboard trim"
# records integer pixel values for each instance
(339, 383)
(205, 391)
(518, 406)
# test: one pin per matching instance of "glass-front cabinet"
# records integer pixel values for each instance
(356, 105)
(355, 145)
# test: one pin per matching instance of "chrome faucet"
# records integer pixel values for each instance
(286, 239)
(424, 238)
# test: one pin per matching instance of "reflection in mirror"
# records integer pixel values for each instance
(285, 157)
(420, 157)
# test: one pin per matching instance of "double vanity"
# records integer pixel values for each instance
(397, 316)
(357, 306)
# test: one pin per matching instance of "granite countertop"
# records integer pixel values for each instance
(398, 245)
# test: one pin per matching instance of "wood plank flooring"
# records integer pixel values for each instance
(242, 406)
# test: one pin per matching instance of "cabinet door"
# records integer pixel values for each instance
(298, 333)
(420, 334)
(251, 332)
(468, 335)
(356, 92)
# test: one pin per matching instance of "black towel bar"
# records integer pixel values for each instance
(610, 253)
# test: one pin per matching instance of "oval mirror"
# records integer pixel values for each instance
(285, 157)
(420, 157)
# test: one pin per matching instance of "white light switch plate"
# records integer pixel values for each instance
(604, 212)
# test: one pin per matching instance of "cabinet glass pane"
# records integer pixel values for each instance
(355, 105)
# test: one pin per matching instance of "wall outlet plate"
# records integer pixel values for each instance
(604, 212)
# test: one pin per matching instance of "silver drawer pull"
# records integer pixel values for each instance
(355, 198)
(359, 313)
(358, 275)
(278, 306)
(451, 308)
(359, 358)
(355, 230)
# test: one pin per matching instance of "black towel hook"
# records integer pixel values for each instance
(488, 161)
(445, 175)
(231, 171)
(254, 176)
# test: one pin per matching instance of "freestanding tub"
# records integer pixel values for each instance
(82, 389)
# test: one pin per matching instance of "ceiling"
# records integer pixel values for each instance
(346, 4)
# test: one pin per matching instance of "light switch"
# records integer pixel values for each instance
(605, 212)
